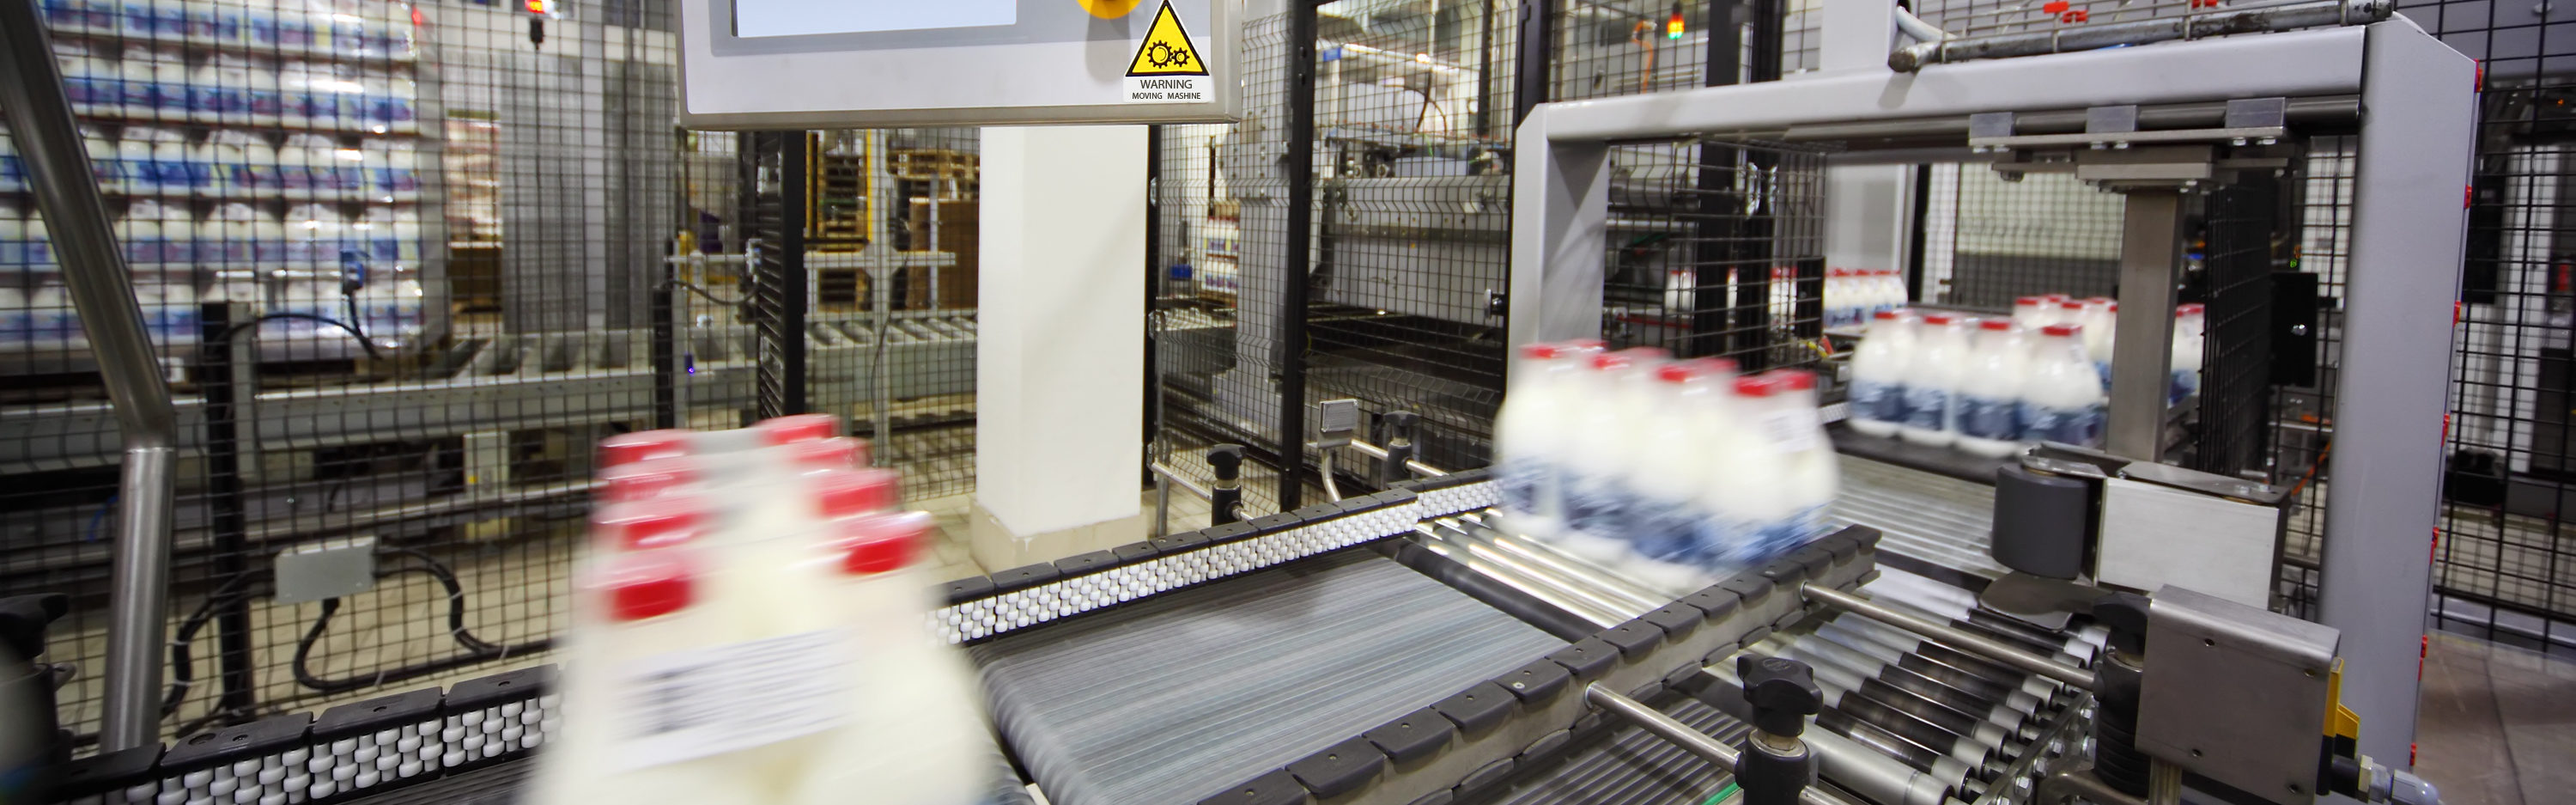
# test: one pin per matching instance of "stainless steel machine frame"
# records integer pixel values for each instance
(2416, 123)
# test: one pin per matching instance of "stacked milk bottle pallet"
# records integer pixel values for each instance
(1674, 473)
(1852, 295)
(748, 631)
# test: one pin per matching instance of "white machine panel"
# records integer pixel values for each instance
(775, 64)
(2154, 535)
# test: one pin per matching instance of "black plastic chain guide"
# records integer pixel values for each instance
(350, 751)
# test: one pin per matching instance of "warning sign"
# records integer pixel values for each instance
(1167, 67)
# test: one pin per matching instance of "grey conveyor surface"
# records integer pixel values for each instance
(1171, 699)
(1934, 518)
(1632, 767)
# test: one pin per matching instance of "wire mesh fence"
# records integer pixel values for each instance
(1716, 248)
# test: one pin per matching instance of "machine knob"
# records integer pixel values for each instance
(2125, 614)
(1399, 424)
(1227, 460)
(1782, 691)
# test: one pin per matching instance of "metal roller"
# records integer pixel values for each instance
(1879, 776)
(1904, 641)
(1170, 698)
(1947, 675)
(2013, 716)
(1950, 732)
(1988, 737)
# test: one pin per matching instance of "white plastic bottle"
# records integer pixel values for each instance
(1812, 475)
(1894, 296)
(139, 233)
(268, 242)
(258, 175)
(1878, 373)
(913, 733)
(2063, 401)
(296, 178)
(295, 89)
(170, 174)
(13, 243)
(107, 161)
(1838, 297)
(13, 171)
(1616, 397)
(38, 246)
(1748, 492)
(260, 26)
(401, 180)
(214, 93)
(134, 78)
(407, 237)
(179, 234)
(53, 324)
(170, 20)
(2100, 320)
(643, 606)
(236, 238)
(231, 22)
(262, 99)
(1991, 390)
(294, 27)
(2186, 357)
(14, 319)
(1530, 434)
(379, 244)
(1932, 381)
(2029, 313)
(90, 83)
(1668, 475)
(180, 316)
(206, 171)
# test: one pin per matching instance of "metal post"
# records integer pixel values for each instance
(881, 272)
(2406, 245)
(32, 101)
(228, 379)
(1484, 119)
(665, 357)
(1301, 212)
(2150, 253)
(1530, 68)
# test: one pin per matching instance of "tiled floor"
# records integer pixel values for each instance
(2496, 724)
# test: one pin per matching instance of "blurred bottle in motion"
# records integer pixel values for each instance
(1932, 374)
(1878, 372)
(1669, 479)
(1616, 396)
(2189, 322)
(1530, 435)
(1990, 391)
(752, 629)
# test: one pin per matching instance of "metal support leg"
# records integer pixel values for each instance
(1225, 501)
(2150, 253)
(94, 272)
(228, 380)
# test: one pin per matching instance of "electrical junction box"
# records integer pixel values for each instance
(331, 568)
(1336, 421)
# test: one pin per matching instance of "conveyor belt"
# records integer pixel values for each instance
(1934, 518)
(1167, 699)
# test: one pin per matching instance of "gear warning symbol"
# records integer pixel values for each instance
(1166, 50)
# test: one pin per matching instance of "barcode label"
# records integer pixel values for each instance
(1793, 430)
(717, 699)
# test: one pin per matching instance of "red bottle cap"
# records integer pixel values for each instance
(650, 523)
(1755, 386)
(1994, 324)
(1677, 372)
(835, 453)
(1884, 315)
(628, 448)
(2028, 300)
(2061, 330)
(880, 544)
(845, 493)
(1543, 352)
(646, 479)
(646, 585)
(1794, 379)
(1942, 319)
(2071, 305)
(799, 427)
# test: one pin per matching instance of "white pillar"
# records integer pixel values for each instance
(1059, 355)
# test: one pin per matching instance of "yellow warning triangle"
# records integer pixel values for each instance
(1167, 49)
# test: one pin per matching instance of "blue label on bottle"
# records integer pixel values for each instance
(1596, 505)
(135, 93)
(2184, 382)
(1927, 408)
(1877, 401)
(1665, 530)
(1519, 481)
(1990, 417)
(2078, 426)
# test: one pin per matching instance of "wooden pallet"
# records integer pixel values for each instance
(934, 164)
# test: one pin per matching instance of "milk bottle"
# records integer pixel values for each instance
(139, 232)
(1616, 395)
(2063, 401)
(2187, 353)
(1811, 476)
(1669, 474)
(1932, 382)
(1878, 375)
(1531, 433)
(1748, 494)
(1990, 391)
(645, 607)
(914, 733)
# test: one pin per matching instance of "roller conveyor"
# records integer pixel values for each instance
(1931, 518)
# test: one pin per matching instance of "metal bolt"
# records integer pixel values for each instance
(2099, 146)
(2267, 141)
(2298, 329)
(2236, 141)
(2021, 784)
(2122, 145)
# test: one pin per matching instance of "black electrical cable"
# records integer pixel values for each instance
(183, 672)
(363, 343)
(477, 649)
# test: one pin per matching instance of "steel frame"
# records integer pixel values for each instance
(2387, 468)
